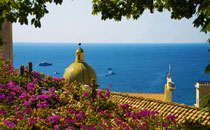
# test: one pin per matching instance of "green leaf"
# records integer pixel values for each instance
(207, 70)
(205, 101)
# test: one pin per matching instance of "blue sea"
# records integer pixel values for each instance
(139, 68)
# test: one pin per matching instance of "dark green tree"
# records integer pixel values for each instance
(20, 10)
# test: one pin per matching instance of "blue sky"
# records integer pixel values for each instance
(72, 22)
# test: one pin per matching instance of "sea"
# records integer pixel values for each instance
(139, 68)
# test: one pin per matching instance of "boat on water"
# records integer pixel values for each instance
(110, 72)
(45, 64)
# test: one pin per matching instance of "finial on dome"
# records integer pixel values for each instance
(79, 54)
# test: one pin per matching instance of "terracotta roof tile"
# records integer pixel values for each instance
(180, 111)
(156, 96)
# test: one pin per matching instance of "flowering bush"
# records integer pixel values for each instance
(34, 101)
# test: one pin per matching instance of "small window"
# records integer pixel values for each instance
(78, 57)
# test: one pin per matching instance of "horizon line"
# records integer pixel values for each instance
(107, 43)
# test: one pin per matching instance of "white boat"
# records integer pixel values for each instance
(45, 64)
(110, 72)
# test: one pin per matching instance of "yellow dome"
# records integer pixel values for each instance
(80, 71)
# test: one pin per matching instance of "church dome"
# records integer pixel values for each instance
(80, 71)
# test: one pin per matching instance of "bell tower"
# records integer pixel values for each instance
(169, 87)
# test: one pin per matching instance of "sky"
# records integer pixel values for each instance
(72, 22)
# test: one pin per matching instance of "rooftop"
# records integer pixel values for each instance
(182, 112)
(157, 96)
(204, 82)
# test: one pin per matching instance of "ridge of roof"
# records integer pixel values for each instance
(153, 100)
(182, 112)
(156, 96)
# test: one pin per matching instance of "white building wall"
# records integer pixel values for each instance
(202, 89)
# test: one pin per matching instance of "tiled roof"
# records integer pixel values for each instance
(204, 82)
(157, 96)
(180, 111)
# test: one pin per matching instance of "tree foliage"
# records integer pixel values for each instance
(116, 9)
(20, 10)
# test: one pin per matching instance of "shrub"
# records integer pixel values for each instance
(34, 101)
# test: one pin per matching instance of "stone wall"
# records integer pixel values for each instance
(6, 35)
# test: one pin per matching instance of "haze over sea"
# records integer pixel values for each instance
(139, 68)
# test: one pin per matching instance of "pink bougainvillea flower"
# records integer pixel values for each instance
(11, 84)
(14, 120)
(3, 112)
(124, 106)
(164, 125)
(55, 118)
(91, 106)
(85, 95)
(23, 95)
(28, 110)
(100, 94)
(172, 118)
(2, 96)
(35, 80)
(108, 94)
(110, 86)
(26, 103)
(56, 127)
(31, 121)
(9, 123)
(101, 111)
(2, 86)
(69, 128)
(56, 79)
(93, 127)
(6, 66)
(83, 127)
(30, 87)
(102, 125)
(20, 88)
(18, 112)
